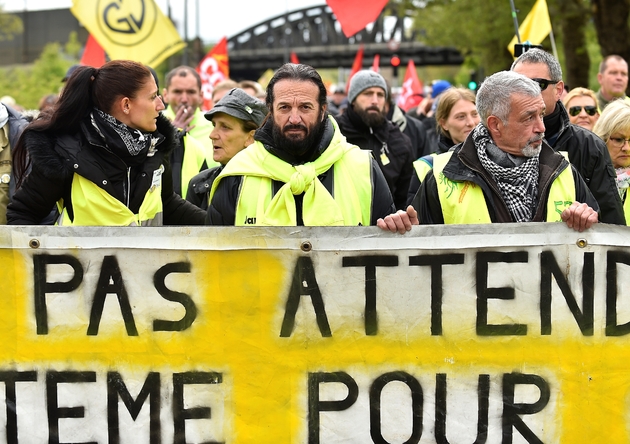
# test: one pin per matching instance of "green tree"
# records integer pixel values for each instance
(29, 84)
(10, 25)
(481, 30)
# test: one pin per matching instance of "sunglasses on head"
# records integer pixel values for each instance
(544, 83)
(590, 110)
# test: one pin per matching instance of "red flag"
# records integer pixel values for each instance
(212, 69)
(355, 15)
(356, 65)
(93, 54)
(376, 63)
(294, 58)
(411, 93)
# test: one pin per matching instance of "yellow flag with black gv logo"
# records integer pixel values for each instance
(130, 29)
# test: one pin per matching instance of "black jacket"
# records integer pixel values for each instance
(55, 159)
(200, 185)
(412, 128)
(222, 209)
(590, 157)
(464, 165)
(385, 142)
(16, 123)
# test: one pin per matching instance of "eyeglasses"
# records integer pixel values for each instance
(590, 110)
(618, 142)
(544, 83)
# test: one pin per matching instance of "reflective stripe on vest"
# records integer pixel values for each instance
(626, 208)
(423, 166)
(464, 202)
(93, 206)
(352, 182)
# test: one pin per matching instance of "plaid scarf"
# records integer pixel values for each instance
(518, 184)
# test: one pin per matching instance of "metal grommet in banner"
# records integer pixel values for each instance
(306, 246)
(5, 178)
(581, 243)
(34, 243)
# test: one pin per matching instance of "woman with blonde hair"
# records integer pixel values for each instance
(581, 104)
(614, 128)
(456, 116)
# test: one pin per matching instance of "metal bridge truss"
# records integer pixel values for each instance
(315, 36)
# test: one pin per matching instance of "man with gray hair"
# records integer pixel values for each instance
(586, 152)
(504, 171)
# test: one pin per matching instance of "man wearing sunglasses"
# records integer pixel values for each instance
(586, 151)
(504, 171)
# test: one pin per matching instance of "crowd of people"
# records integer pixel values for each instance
(113, 149)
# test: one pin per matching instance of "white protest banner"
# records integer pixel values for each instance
(497, 333)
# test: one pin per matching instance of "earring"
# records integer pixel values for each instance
(126, 111)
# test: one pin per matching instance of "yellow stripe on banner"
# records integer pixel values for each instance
(302, 335)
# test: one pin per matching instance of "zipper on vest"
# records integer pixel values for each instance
(127, 187)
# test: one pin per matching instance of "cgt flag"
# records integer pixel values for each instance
(357, 65)
(411, 93)
(134, 29)
(213, 69)
(535, 27)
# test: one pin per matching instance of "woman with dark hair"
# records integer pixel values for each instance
(101, 155)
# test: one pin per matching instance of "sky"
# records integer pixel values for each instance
(218, 18)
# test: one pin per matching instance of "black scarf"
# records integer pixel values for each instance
(131, 145)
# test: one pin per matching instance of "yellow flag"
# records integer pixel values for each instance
(535, 27)
(131, 29)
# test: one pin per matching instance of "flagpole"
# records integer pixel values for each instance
(553, 44)
(515, 19)
(185, 57)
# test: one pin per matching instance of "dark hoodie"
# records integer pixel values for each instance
(391, 149)
(55, 159)
(222, 209)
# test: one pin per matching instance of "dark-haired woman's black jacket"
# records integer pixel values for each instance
(55, 159)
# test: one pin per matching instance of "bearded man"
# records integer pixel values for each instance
(365, 124)
(300, 170)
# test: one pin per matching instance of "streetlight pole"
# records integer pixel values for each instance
(185, 58)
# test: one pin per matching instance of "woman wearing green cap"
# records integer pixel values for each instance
(235, 118)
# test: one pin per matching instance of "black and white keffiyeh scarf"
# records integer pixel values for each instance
(518, 183)
(128, 143)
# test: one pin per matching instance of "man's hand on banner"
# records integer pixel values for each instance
(400, 221)
(579, 216)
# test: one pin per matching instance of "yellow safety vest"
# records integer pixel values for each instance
(352, 185)
(626, 208)
(194, 157)
(424, 165)
(93, 206)
(201, 129)
(464, 202)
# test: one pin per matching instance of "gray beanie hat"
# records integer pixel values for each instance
(363, 80)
